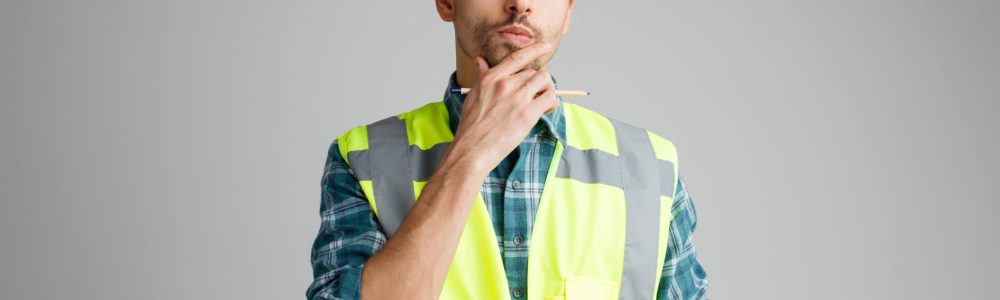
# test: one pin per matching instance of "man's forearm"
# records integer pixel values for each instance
(414, 262)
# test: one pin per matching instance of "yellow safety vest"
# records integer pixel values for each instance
(600, 231)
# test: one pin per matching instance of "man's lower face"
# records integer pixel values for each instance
(495, 48)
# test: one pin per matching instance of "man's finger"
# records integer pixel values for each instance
(519, 59)
(538, 82)
(519, 79)
(547, 101)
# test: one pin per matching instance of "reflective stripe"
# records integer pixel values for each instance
(424, 162)
(596, 166)
(359, 162)
(589, 166)
(667, 184)
(389, 163)
(582, 165)
(642, 213)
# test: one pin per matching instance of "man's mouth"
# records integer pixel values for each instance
(518, 35)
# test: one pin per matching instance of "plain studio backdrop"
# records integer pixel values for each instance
(173, 149)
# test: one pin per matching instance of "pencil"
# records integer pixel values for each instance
(558, 92)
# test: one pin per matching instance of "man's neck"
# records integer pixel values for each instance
(466, 71)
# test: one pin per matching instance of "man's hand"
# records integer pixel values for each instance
(501, 108)
(497, 114)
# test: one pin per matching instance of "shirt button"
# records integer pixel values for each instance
(518, 239)
(518, 292)
(516, 184)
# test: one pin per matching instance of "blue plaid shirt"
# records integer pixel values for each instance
(349, 233)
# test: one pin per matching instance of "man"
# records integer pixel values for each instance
(505, 192)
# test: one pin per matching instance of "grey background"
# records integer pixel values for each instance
(173, 149)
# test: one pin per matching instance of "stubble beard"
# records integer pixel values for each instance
(495, 52)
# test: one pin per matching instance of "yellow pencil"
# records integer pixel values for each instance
(558, 92)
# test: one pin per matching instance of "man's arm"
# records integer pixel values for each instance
(348, 233)
(683, 277)
(497, 114)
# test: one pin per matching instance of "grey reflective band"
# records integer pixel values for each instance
(359, 162)
(596, 166)
(582, 165)
(667, 184)
(392, 164)
(389, 163)
(424, 162)
(589, 166)
(641, 180)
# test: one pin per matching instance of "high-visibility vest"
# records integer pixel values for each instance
(600, 231)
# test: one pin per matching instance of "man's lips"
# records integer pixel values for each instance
(516, 29)
(517, 34)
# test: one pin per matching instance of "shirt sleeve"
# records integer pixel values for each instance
(348, 233)
(683, 277)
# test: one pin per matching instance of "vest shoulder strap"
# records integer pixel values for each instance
(389, 155)
(594, 142)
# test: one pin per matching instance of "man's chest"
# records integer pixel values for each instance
(512, 192)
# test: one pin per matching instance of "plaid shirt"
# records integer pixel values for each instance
(349, 233)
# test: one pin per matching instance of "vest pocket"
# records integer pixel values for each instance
(587, 288)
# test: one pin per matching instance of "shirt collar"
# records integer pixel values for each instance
(551, 124)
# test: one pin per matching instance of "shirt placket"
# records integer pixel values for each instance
(518, 205)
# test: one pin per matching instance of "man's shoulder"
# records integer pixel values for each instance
(425, 110)
(598, 123)
(356, 138)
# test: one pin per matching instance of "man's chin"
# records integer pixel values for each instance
(498, 52)
(501, 50)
